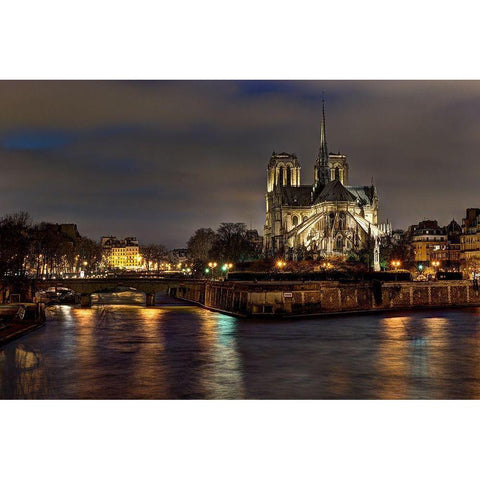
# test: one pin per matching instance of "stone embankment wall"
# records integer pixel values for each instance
(289, 298)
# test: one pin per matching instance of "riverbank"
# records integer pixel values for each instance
(304, 299)
(17, 320)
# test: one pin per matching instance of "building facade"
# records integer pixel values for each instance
(121, 254)
(447, 255)
(470, 241)
(327, 217)
(433, 243)
(426, 237)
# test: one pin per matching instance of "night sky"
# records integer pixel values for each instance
(160, 159)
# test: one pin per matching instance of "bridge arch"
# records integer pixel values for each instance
(86, 287)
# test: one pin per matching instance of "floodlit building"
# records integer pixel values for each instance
(426, 237)
(470, 240)
(121, 253)
(328, 217)
(448, 255)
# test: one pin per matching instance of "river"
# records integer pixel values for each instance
(175, 351)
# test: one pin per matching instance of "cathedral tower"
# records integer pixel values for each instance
(338, 166)
(283, 171)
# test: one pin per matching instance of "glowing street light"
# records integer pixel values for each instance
(226, 267)
(212, 266)
(281, 264)
(396, 263)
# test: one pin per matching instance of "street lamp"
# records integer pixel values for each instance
(396, 264)
(226, 267)
(435, 265)
(212, 266)
(281, 264)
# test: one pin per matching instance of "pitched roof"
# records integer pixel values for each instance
(334, 191)
(453, 226)
(297, 196)
(364, 194)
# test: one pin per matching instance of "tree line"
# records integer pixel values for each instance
(43, 249)
(230, 243)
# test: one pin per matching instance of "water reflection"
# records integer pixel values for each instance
(221, 376)
(24, 375)
(123, 297)
(392, 357)
(183, 352)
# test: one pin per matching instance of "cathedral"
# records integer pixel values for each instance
(327, 218)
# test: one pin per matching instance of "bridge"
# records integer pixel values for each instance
(86, 286)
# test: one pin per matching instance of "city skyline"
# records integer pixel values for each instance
(160, 159)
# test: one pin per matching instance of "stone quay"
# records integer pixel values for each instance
(265, 299)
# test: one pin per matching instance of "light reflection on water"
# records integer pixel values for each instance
(176, 351)
(130, 297)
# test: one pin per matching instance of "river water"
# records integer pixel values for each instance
(176, 351)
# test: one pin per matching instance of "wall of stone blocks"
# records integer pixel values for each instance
(326, 297)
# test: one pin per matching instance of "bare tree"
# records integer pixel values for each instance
(14, 243)
(232, 243)
(200, 244)
(154, 255)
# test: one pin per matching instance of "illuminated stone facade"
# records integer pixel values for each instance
(329, 217)
(427, 237)
(121, 254)
(470, 241)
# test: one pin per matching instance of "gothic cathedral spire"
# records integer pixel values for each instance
(322, 171)
(323, 152)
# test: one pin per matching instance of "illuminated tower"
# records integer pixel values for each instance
(322, 170)
(283, 171)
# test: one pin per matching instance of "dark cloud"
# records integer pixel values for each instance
(160, 159)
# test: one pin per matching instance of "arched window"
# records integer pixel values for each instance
(280, 176)
(289, 176)
(294, 220)
(337, 173)
(331, 217)
(339, 243)
(341, 221)
(305, 218)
